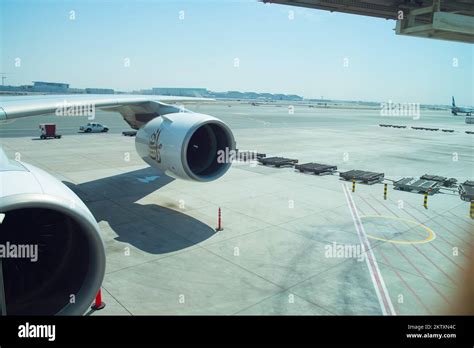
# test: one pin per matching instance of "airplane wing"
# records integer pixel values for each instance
(135, 109)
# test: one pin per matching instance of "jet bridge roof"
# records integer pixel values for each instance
(447, 20)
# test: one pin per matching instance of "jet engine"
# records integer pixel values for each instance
(186, 145)
(52, 258)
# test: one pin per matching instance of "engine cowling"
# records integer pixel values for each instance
(186, 145)
(38, 210)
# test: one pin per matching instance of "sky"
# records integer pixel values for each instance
(223, 45)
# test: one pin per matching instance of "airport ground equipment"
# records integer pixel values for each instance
(391, 125)
(48, 130)
(316, 168)
(466, 191)
(129, 133)
(471, 210)
(417, 185)
(362, 176)
(425, 128)
(277, 161)
(469, 119)
(443, 181)
(385, 191)
(94, 127)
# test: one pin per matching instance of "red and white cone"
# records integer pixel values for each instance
(98, 304)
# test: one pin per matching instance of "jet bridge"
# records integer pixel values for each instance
(436, 19)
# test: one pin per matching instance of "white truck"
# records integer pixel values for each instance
(94, 128)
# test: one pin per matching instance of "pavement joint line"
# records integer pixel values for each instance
(234, 237)
(385, 302)
(465, 219)
(207, 244)
(120, 303)
(437, 216)
(312, 239)
(430, 219)
(240, 266)
(434, 264)
(413, 225)
(462, 228)
(279, 293)
(414, 266)
(406, 271)
(435, 221)
(158, 258)
(313, 212)
(405, 283)
(449, 230)
(283, 289)
(410, 227)
(424, 276)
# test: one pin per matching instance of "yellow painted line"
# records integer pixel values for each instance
(431, 234)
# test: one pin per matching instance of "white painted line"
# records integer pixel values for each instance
(379, 285)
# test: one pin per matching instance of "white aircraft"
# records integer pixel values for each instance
(461, 110)
(38, 209)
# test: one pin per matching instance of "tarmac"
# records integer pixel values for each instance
(293, 243)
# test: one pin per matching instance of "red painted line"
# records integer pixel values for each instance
(462, 228)
(370, 205)
(416, 268)
(454, 234)
(454, 263)
(419, 251)
(432, 218)
(437, 235)
(421, 273)
(465, 219)
(405, 283)
(434, 264)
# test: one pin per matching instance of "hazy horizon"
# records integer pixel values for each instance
(233, 45)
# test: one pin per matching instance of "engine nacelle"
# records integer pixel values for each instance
(65, 272)
(186, 145)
